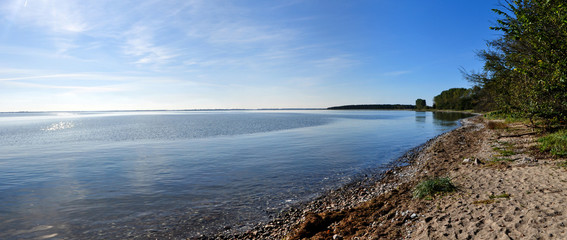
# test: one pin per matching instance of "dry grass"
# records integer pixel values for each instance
(496, 125)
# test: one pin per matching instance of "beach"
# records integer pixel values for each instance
(519, 198)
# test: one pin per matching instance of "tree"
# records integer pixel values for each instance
(525, 70)
(420, 104)
(454, 99)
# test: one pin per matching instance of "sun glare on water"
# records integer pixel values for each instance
(59, 126)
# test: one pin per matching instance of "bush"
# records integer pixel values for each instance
(556, 143)
(433, 186)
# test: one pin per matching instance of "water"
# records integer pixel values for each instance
(121, 174)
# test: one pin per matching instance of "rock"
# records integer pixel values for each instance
(527, 160)
(413, 215)
(477, 161)
(337, 237)
(467, 160)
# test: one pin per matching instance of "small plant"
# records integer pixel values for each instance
(504, 152)
(562, 164)
(503, 195)
(506, 149)
(556, 143)
(430, 187)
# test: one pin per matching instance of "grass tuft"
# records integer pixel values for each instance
(556, 143)
(503, 195)
(430, 187)
(562, 164)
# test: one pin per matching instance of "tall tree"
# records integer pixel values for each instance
(525, 70)
(455, 99)
(420, 103)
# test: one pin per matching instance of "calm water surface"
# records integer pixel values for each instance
(121, 174)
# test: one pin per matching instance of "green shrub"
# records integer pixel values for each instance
(433, 186)
(556, 143)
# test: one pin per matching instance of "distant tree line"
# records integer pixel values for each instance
(374, 107)
(525, 69)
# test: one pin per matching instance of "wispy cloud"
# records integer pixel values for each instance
(168, 34)
(334, 63)
(152, 47)
(396, 73)
(140, 44)
(75, 89)
(58, 76)
(57, 16)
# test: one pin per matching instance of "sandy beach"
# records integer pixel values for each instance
(507, 189)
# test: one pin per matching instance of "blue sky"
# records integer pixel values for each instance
(58, 55)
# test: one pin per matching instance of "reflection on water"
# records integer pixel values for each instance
(447, 119)
(420, 117)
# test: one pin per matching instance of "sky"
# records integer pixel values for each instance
(76, 55)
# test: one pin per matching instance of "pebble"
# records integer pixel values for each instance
(337, 237)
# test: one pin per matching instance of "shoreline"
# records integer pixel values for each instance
(507, 189)
(363, 189)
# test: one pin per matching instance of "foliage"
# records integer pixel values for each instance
(454, 99)
(420, 104)
(433, 186)
(525, 70)
(556, 143)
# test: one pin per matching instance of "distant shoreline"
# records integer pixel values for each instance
(374, 107)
